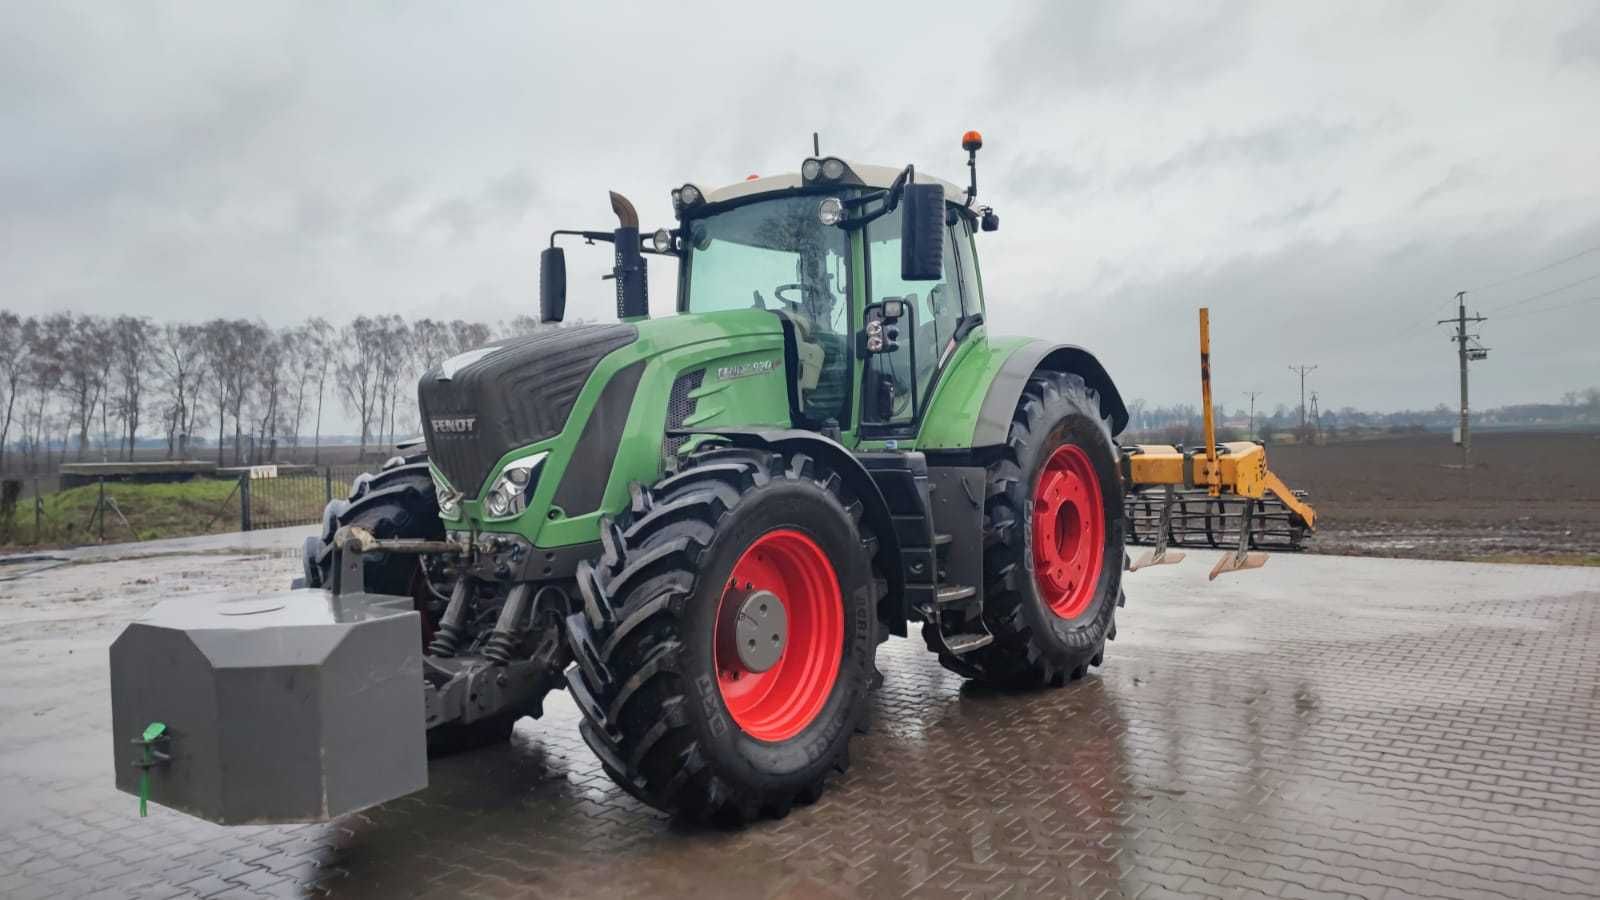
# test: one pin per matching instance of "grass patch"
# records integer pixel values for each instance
(179, 509)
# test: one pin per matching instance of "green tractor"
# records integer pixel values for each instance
(703, 526)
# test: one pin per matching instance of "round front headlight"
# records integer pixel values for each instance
(662, 240)
(689, 194)
(830, 211)
(810, 169)
(518, 477)
(499, 504)
(832, 168)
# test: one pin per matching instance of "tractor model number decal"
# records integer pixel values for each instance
(745, 369)
(454, 425)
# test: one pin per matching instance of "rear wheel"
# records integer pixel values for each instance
(726, 650)
(1053, 541)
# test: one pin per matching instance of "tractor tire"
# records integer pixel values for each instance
(677, 711)
(1054, 526)
(398, 503)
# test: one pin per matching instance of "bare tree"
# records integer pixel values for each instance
(319, 344)
(14, 355)
(267, 390)
(228, 361)
(84, 368)
(180, 359)
(134, 343)
(359, 371)
(42, 376)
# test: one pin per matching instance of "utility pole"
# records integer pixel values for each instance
(1465, 352)
(1252, 395)
(1302, 371)
(1316, 416)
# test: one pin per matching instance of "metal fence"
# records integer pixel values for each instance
(111, 510)
(270, 499)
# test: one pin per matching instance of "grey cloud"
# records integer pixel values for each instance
(1581, 43)
(1297, 213)
(1272, 145)
(1091, 46)
(1458, 178)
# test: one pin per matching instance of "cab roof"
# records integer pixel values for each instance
(870, 176)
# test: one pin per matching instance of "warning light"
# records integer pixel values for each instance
(751, 177)
(971, 141)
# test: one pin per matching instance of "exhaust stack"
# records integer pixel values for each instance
(633, 290)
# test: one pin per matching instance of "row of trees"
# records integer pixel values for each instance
(71, 382)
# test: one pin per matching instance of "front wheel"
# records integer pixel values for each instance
(726, 650)
(1054, 528)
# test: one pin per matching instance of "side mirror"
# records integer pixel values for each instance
(922, 233)
(552, 284)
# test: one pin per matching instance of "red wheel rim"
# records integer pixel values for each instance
(1069, 531)
(778, 703)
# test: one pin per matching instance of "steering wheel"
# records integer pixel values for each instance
(782, 289)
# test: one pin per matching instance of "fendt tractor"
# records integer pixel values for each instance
(702, 526)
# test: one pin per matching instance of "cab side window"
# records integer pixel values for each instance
(934, 311)
(967, 256)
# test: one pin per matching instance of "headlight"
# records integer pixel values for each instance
(662, 240)
(832, 168)
(810, 169)
(689, 194)
(449, 498)
(830, 211)
(509, 494)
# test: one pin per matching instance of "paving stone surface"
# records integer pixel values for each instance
(1321, 727)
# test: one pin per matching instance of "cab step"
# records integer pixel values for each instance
(954, 594)
(957, 644)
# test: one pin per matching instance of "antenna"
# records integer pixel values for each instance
(816, 144)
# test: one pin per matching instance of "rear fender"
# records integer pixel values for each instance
(974, 400)
(1000, 403)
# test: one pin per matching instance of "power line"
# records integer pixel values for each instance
(1545, 268)
(1555, 290)
(1544, 309)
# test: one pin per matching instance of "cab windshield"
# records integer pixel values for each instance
(775, 255)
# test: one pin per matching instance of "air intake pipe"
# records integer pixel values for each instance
(633, 290)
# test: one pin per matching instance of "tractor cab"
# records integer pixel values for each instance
(872, 268)
(872, 271)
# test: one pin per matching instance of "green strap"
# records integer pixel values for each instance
(152, 733)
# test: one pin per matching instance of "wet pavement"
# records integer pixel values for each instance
(1323, 726)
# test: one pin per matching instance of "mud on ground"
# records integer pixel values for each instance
(1527, 496)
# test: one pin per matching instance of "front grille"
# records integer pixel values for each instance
(680, 406)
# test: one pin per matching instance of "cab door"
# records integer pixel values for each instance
(896, 385)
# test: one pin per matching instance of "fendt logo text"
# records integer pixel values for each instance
(457, 425)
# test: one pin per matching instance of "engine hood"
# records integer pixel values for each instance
(511, 393)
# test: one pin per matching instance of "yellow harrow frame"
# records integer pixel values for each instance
(1235, 469)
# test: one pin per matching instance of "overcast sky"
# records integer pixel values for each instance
(1324, 180)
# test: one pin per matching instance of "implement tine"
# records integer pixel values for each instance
(1242, 557)
(1158, 555)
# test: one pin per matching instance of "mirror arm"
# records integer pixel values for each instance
(589, 237)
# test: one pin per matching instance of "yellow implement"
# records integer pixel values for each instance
(1233, 469)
